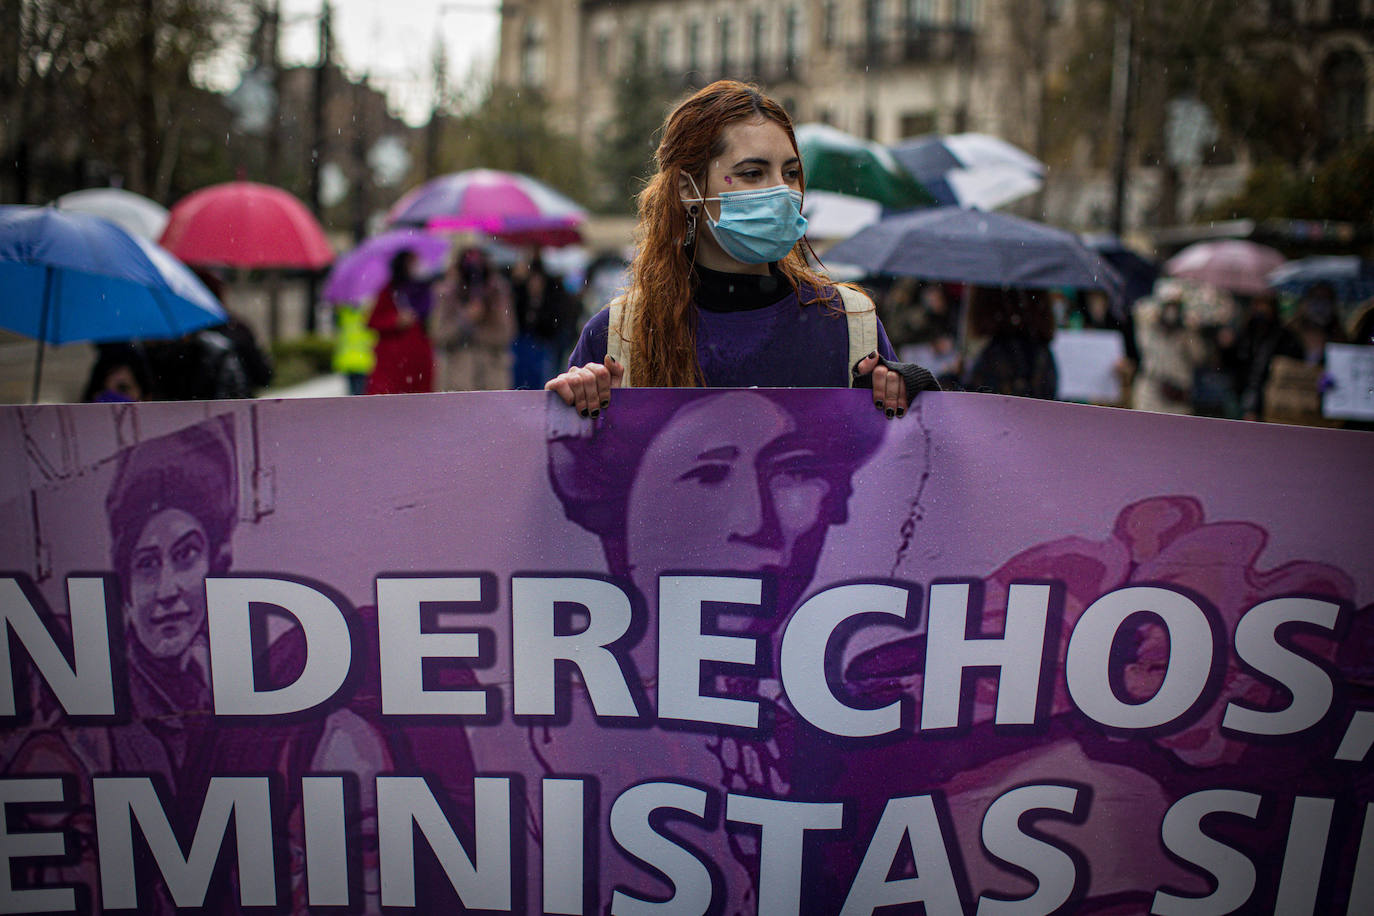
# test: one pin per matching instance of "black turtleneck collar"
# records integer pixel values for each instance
(723, 292)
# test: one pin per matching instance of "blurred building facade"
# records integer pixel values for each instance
(884, 69)
(890, 69)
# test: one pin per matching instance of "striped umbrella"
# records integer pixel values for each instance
(975, 171)
(833, 160)
(513, 207)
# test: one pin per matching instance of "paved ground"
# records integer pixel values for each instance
(324, 386)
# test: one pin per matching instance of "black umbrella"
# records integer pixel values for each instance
(953, 245)
(1138, 272)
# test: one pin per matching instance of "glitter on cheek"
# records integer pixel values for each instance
(729, 180)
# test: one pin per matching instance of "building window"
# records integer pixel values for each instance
(639, 53)
(756, 25)
(920, 12)
(532, 53)
(694, 46)
(725, 29)
(1345, 12)
(965, 12)
(873, 21)
(916, 123)
(790, 52)
(603, 54)
(1345, 89)
(664, 52)
(870, 124)
(830, 32)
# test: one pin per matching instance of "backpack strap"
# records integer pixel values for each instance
(617, 345)
(862, 316)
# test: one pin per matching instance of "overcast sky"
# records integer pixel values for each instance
(393, 42)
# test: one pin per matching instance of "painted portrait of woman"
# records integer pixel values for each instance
(737, 483)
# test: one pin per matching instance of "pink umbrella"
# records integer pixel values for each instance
(511, 206)
(245, 224)
(1230, 264)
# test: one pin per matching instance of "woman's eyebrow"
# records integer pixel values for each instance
(760, 160)
(723, 453)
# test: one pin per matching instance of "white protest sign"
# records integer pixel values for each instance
(1086, 361)
(1351, 394)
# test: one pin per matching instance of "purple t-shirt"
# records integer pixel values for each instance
(783, 345)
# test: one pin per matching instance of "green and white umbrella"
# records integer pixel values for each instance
(836, 161)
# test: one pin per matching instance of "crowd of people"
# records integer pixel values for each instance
(1256, 358)
(475, 327)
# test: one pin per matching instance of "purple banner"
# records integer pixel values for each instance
(725, 652)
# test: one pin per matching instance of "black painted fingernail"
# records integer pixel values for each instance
(878, 404)
(605, 403)
(901, 412)
(871, 355)
(596, 412)
(891, 413)
(611, 359)
(584, 412)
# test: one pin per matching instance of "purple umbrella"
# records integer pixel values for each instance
(509, 205)
(360, 275)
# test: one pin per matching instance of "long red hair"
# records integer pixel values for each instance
(662, 335)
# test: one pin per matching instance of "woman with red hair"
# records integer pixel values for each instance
(721, 293)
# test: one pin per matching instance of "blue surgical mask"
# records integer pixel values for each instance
(756, 227)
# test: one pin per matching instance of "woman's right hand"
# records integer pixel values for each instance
(588, 388)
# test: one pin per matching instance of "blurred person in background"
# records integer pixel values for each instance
(203, 366)
(215, 363)
(405, 358)
(474, 325)
(1170, 351)
(1293, 388)
(544, 314)
(1362, 324)
(119, 375)
(1018, 326)
(899, 309)
(256, 364)
(354, 346)
(1095, 312)
(935, 332)
(1261, 337)
(1214, 393)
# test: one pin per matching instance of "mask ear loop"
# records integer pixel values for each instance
(691, 236)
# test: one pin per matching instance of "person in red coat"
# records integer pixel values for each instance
(405, 359)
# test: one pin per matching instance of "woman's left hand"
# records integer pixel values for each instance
(889, 390)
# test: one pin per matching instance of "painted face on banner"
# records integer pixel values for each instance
(167, 570)
(733, 488)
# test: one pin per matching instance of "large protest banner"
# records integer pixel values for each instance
(716, 652)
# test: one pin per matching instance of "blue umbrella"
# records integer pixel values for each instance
(70, 277)
(954, 245)
(1351, 278)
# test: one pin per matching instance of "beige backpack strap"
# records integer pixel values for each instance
(621, 319)
(862, 316)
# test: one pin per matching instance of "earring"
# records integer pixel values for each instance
(691, 235)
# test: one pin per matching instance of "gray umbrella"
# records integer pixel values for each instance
(953, 245)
